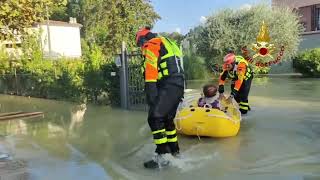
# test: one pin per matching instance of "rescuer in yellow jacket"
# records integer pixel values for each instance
(238, 70)
(164, 87)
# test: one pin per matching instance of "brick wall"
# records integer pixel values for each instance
(294, 3)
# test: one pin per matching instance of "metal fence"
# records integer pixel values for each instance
(16, 84)
(131, 81)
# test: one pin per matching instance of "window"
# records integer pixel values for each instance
(11, 45)
(304, 24)
(317, 17)
(8, 45)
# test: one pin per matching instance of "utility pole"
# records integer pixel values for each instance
(48, 32)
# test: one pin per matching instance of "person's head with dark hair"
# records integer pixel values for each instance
(144, 35)
(230, 50)
(210, 90)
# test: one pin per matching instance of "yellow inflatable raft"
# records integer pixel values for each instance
(199, 121)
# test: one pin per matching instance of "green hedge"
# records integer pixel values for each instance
(308, 63)
(63, 79)
(84, 80)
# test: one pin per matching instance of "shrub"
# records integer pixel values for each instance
(308, 63)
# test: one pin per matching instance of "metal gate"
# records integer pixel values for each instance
(131, 81)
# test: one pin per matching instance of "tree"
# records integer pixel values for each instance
(193, 39)
(71, 9)
(238, 28)
(109, 22)
(17, 15)
(194, 66)
(175, 36)
(59, 13)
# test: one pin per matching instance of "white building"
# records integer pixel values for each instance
(58, 39)
(63, 39)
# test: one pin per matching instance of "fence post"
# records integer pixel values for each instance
(124, 78)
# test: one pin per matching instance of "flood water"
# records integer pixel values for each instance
(278, 140)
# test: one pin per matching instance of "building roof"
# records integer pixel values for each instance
(295, 3)
(60, 23)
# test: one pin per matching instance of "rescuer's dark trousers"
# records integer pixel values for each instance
(161, 116)
(242, 96)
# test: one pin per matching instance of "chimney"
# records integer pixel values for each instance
(72, 20)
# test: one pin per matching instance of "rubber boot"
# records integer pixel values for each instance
(243, 112)
(174, 149)
(158, 161)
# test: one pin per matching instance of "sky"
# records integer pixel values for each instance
(182, 15)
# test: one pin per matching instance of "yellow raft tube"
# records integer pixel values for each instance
(205, 121)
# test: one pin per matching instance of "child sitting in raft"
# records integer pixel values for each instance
(211, 97)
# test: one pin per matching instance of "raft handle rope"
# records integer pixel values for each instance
(178, 127)
(227, 117)
(199, 137)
